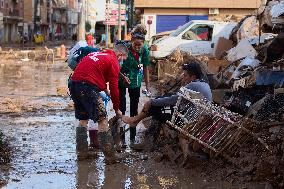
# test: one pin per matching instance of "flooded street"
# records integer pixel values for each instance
(41, 125)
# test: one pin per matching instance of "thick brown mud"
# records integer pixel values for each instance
(36, 115)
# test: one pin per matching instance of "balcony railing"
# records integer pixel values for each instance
(14, 12)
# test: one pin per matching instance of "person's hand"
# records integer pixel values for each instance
(126, 80)
(118, 113)
(107, 92)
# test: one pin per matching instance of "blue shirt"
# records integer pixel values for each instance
(198, 86)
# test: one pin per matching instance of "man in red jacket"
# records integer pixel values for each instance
(89, 78)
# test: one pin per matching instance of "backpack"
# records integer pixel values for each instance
(78, 52)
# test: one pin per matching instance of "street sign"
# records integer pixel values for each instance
(115, 17)
(115, 11)
(113, 23)
(112, 14)
(114, 6)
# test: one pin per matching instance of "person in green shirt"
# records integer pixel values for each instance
(133, 69)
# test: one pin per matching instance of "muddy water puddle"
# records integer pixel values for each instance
(45, 157)
(42, 132)
(32, 78)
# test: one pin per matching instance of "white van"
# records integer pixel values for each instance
(197, 37)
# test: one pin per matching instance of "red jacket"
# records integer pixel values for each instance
(98, 68)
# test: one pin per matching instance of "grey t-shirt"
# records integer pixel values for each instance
(198, 86)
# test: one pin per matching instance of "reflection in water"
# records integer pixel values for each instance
(101, 172)
(44, 152)
(127, 183)
(45, 143)
(91, 173)
(32, 79)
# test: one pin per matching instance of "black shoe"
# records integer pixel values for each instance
(123, 145)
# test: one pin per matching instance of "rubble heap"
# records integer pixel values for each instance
(248, 150)
(169, 72)
(243, 135)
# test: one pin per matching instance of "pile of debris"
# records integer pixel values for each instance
(37, 54)
(170, 73)
(245, 132)
(199, 130)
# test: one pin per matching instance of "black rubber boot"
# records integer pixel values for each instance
(122, 138)
(106, 142)
(82, 144)
(132, 134)
(150, 138)
(81, 139)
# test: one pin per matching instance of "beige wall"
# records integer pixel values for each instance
(28, 11)
(223, 12)
(197, 3)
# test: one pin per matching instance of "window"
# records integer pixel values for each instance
(180, 29)
(199, 33)
(2, 3)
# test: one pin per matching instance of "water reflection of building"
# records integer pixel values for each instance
(91, 173)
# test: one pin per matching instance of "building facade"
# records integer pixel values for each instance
(55, 19)
(29, 17)
(64, 19)
(11, 20)
(167, 15)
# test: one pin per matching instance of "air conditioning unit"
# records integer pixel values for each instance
(214, 11)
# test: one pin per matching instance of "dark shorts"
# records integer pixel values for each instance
(87, 102)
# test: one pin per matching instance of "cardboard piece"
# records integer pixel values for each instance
(215, 66)
(222, 46)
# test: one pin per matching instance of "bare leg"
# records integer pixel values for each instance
(83, 123)
(133, 121)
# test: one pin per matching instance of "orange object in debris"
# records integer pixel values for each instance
(63, 51)
(127, 37)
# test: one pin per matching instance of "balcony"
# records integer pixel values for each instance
(60, 4)
(14, 12)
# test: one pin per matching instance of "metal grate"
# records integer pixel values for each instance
(214, 127)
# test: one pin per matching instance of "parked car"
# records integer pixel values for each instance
(154, 38)
(197, 37)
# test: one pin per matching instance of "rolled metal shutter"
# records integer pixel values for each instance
(172, 22)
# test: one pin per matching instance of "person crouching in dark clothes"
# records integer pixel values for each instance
(191, 79)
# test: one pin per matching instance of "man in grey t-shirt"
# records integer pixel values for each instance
(191, 79)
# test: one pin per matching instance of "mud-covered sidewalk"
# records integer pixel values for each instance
(37, 116)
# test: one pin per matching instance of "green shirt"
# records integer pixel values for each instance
(132, 68)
